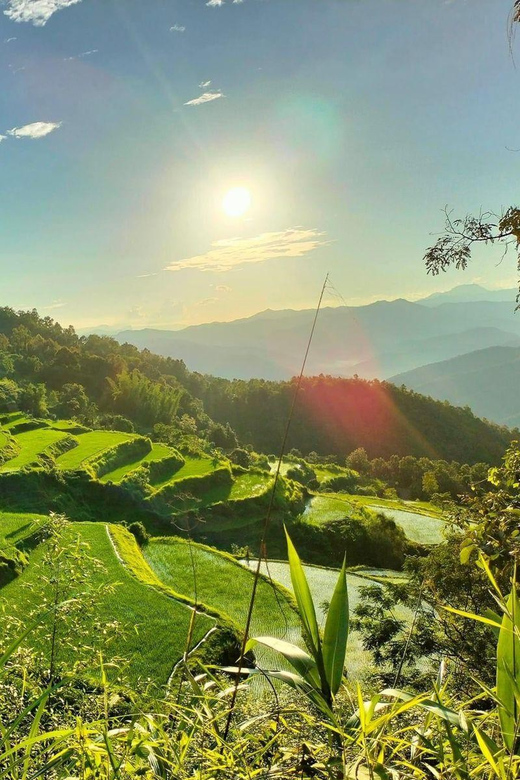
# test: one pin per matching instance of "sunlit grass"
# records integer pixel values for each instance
(249, 486)
(158, 452)
(155, 625)
(90, 444)
(219, 582)
(32, 444)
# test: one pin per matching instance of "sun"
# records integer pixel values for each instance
(237, 202)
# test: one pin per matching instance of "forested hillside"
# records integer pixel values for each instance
(338, 415)
(47, 369)
(487, 380)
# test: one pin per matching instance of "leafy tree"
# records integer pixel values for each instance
(454, 246)
(72, 401)
(33, 400)
(358, 460)
(430, 484)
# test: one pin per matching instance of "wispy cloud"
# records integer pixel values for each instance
(223, 288)
(231, 252)
(177, 28)
(55, 305)
(218, 3)
(206, 301)
(10, 40)
(80, 56)
(206, 97)
(204, 84)
(2, 138)
(145, 276)
(34, 130)
(37, 12)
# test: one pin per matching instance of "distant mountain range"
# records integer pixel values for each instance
(487, 380)
(386, 339)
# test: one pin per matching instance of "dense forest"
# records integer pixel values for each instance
(338, 415)
(47, 369)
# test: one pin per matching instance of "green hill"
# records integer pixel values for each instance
(486, 380)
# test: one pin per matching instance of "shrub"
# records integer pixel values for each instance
(139, 532)
(345, 483)
(11, 565)
(116, 422)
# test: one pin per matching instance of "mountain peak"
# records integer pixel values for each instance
(469, 293)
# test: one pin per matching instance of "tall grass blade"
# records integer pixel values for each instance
(301, 661)
(508, 670)
(336, 633)
(303, 599)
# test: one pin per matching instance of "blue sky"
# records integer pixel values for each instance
(350, 122)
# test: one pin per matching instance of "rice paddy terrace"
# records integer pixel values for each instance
(149, 594)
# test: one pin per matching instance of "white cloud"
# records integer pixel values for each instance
(9, 40)
(38, 12)
(2, 138)
(80, 56)
(34, 130)
(204, 84)
(55, 305)
(231, 252)
(206, 97)
(177, 28)
(218, 3)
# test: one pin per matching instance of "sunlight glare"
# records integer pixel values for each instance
(237, 201)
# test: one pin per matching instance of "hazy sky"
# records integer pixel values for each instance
(351, 123)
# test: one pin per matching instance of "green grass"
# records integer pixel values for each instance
(155, 625)
(90, 444)
(249, 486)
(15, 419)
(16, 526)
(32, 444)
(222, 583)
(324, 508)
(419, 507)
(158, 452)
(3, 440)
(418, 527)
(424, 526)
(193, 467)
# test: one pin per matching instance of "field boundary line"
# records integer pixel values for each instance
(171, 596)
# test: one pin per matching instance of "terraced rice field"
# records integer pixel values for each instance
(90, 444)
(249, 486)
(158, 452)
(322, 509)
(32, 444)
(321, 583)
(417, 527)
(154, 625)
(219, 582)
(195, 467)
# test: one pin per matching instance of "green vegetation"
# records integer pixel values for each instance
(249, 486)
(152, 626)
(32, 445)
(218, 580)
(158, 452)
(89, 445)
